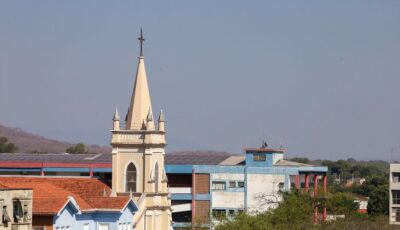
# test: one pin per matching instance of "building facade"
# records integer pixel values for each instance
(15, 208)
(206, 187)
(67, 203)
(394, 194)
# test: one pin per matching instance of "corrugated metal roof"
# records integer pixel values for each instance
(292, 163)
(190, 158)
(52, 157)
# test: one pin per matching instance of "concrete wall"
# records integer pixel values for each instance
(231, 198)
(7, 197)
(262, 191)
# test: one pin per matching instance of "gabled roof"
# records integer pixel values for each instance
(291, 163)
(50, 195)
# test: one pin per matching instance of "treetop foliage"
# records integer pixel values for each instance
(6, 147)
(79, 148)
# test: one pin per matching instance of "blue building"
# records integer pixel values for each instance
(203, 186)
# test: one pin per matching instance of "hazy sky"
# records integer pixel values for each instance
(320, 77)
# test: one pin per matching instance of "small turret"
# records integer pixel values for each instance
(161, 122)
(149, 121)
(116, 120)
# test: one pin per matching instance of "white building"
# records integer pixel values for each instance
(394, 200)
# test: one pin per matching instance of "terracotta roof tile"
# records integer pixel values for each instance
(51, 194)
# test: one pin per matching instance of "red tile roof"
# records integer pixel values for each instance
(51, 194)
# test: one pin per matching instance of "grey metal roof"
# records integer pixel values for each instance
(52, 157)
(191, 158)
(292, 163)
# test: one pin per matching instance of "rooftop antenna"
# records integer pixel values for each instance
(391, 155)
(264, 145)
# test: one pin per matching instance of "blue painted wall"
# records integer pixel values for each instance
(69, 216)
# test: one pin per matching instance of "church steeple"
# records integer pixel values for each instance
(138, 156)
(140, 104)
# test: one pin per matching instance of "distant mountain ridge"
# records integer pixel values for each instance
(28, 142)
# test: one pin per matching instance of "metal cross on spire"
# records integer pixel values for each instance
(141, 40)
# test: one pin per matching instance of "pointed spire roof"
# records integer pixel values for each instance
(149, 116)
(161, 116)
(140, 104)
(116, 115)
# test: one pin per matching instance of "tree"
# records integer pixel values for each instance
(370, 184)
(77, 149)
(341, 203)
(6, 147)
(379, 200)
(296, 209)
(294, 212)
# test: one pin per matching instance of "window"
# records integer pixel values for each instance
(86, 226)
(396, 177)
(397, 214)
(281, 186)
(218, 185)
(240, 184)
(63, 228)
(103, 226)
(259, 157)
(396, 196)
(17, 211)
(130, 178)
(231, 212)
(232, 184)
(156, 177)
(218, 213)
(120, 226)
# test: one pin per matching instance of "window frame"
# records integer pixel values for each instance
(397, 176)
(104, 224)
(222, 183)
(134, 177)
(397, 213)
(259, 157)
(218, 213)
(232, 182)
(395, 196)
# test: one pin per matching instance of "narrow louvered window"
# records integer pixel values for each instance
(156, 177)
(131, 178)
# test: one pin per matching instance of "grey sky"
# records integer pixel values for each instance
(321, 77)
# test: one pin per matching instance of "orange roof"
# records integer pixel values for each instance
(50, 195)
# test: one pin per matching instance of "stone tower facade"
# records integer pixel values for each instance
(138, 157)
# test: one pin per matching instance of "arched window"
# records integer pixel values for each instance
(156, 177)
(130, 178)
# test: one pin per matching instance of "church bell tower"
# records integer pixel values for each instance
(138, 156)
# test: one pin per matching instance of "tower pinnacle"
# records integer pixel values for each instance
(141, 40)
(140, 104)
